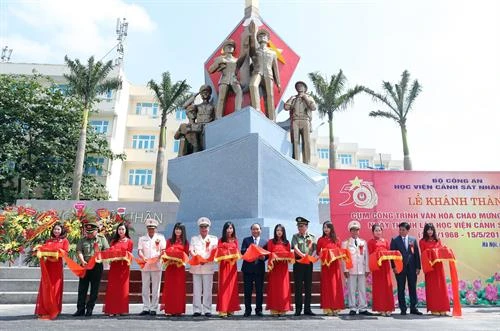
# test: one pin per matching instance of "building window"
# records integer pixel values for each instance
(180, 114)
(95, 166)
(363, 164)
(323, 153)
(64, 88)
(100, 126)
(108, 95)
(379, 166)
(176, 146)
(140, 177)
(143, 141)
(146, 108)
(345, 159)
(324, 201)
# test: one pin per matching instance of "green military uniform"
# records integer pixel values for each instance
(93, 276)
(86, 246)
(302, 273)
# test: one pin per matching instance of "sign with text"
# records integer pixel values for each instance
(463, 206)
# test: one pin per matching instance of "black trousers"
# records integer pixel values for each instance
(92, 277)
(409, 274)
(302, 276)
(249, 279)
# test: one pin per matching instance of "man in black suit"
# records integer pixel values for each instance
(253, 272)
(408, 246)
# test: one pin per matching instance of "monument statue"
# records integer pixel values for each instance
(226, 64)
(192, 134)
(264, 71)
(301, 107)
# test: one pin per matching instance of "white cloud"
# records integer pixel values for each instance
(27, 50)
(73, 28)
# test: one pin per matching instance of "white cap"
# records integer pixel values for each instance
(204, 221)
(151, 223)
(354, 224)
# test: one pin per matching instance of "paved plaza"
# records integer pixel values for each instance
(20, 317)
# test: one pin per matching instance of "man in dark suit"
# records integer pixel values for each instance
(408, 246)
(253, 272)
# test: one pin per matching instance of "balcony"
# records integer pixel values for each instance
(141, 155)
(142, 122)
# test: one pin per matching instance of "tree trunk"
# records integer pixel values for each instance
(331, 144)
(160, 163)
(80, 157)
(406, 151)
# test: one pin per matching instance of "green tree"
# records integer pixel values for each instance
(87, 83)
(39, 128)
(400, 100)
(170, 96)
(331, 97)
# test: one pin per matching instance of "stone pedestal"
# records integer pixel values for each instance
(245, 175)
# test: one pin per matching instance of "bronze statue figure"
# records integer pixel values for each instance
(264, 71)
(192, 134)
(226, 64)
(301, 107)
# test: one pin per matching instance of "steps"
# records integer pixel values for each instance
(19, 285)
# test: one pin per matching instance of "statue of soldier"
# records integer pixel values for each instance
(301, 107)
(264, 71)
(198, 115)
(226, 64)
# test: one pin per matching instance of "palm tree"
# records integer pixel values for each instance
(399, 100)
(170, 97)
(332, 97)
(87, 82)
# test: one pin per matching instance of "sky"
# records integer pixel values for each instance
(451, 46)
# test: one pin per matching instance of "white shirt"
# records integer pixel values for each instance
(151, 249)
(198, 246)
(256, 240)
(359, 261)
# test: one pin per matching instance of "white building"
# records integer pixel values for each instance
(349, 156)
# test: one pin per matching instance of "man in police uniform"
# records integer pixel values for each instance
(303, 243)
(85, 249)
(150, 248)
(203, 274)
(356, 276)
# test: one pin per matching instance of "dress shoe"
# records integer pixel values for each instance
(297, 313)
(144, 312)
(309, 313)
(208, 314)
(88, 313)
(246, 314)
(79, 313)
(403, 312)
(366, 313)
(259, 313)
(415, 312)
(352, 312)
(152, 313)
(196, 314)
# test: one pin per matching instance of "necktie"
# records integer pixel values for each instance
(356, 242)
(255, 241)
